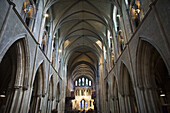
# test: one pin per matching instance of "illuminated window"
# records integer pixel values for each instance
(82, 104)
(115, 16)
(79, 82)
(104, 50)
(76, 83)
(89, 82)
(86, 82)
(86, 105)
(82, 81)
(135, 11)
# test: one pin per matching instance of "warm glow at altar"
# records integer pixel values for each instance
(83, 100)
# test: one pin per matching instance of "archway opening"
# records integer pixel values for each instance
(162, 80)
(12, 67)
(37, 92)
(154, 73)
(129, 93)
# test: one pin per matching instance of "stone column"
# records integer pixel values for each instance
(101, 74)
(41, 30)
(141, 100)
(98, 104)
(15, 98)
(152, 100)
(49, 45)
(116, 108)
(37, 21)
(123, 108)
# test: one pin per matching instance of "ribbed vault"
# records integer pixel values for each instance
(81, 27)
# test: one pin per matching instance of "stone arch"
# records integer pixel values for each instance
(143, 45)
(23, 48)
(38, 89)
(52, 80)
(14, 69)
(41, 67)
(127, 91)
(152, 76)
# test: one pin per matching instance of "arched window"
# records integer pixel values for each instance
(79, 82)
(83, 81)
(118, 29)
(28, 12)
(108, 37)
(89, 82)
(76, 83)
(82, 104)
(135, 11)
(85, 105)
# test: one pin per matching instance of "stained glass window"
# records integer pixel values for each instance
(86, 105)
(86, 82)
(79, 82)
(82, 103)
(89, 82)
(83, 81)
(76, 83)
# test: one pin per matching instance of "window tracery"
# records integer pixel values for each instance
(83, 81)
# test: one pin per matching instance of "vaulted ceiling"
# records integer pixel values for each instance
(82, 27)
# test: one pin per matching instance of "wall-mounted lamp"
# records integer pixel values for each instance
(46, 15)
(138, 11)
(2, 96)
(59, 50)
(118, 15)
(162, 95)
(25, 10)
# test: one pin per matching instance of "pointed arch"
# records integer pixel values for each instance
(14, 69)
(152, 75)
(127, 90)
